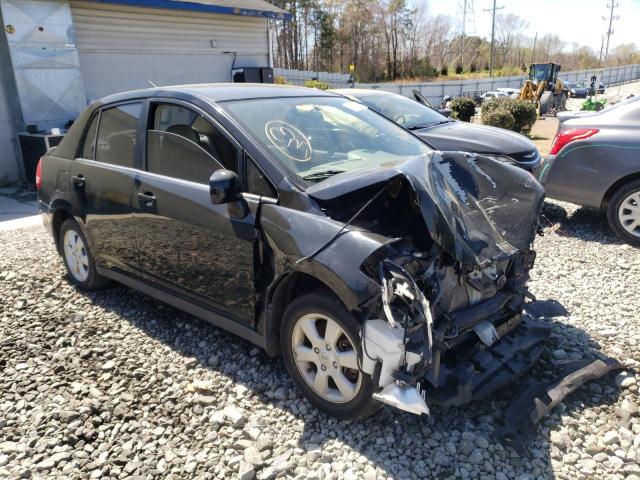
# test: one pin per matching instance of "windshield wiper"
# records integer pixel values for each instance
(322, 175)
(420, 127)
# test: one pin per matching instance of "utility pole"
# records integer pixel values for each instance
(493, 33)
(464, 26)
(610, 30)
(466, 8)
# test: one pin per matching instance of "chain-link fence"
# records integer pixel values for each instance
(300, 77)
(436, 91)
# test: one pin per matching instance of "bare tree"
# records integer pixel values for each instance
(508, 29)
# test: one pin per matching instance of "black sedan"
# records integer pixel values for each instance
(445, 134)
(577, 90)
(381, 270)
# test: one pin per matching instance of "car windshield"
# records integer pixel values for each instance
(408, 113)
(315, 138)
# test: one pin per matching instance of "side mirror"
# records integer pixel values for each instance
(224, 187)
(445, 111)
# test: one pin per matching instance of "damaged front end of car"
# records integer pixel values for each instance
(448, 323)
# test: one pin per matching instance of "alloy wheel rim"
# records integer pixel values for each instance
(326, 358)
(76, 256)
(629, 214)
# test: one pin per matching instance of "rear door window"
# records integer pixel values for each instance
(183, 144)
(88, 149)
(117, 135)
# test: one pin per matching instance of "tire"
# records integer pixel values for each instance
(546, 102)
(77, 258)
(623, 213)
(562, 102)
(303, 319)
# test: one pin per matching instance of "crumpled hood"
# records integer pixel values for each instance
(475, 138)
(477, 209)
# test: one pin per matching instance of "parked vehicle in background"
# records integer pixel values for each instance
(511, 92)
(449, 135)
(315, 228)
(577, 90)
(496, 94)
(595, 162)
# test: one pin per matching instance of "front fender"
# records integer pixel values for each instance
(292, 235)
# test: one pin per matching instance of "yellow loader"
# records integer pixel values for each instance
(544, 88)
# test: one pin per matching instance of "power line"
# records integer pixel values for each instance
(493, 33)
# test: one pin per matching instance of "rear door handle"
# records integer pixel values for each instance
(147, 198)
(78, 181)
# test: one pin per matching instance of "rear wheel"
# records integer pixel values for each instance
(321, 348)
(623, 213)
(546, 102)
(77, 257)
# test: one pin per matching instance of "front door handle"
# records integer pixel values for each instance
(78, 181)
(147, 198)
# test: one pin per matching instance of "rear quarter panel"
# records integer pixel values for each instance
(585, 170)
(54, 194)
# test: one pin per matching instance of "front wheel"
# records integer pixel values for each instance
(321, 348)
(546, 102)
(623, 213)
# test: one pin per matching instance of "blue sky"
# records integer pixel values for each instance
(573, 20)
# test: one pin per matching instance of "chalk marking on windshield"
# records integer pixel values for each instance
(289, 140)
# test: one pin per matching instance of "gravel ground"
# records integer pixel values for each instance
(116, 385)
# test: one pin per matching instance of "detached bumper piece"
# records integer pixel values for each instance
(535, 398)
(488, 368)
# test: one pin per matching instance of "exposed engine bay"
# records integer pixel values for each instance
(448, 323)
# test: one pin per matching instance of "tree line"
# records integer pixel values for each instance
(387, 40)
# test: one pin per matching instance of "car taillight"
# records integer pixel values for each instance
(39, 174)
(569, 135)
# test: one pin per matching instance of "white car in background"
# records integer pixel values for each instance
(511, 92)
(490, 95)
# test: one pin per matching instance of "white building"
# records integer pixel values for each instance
(59, 55)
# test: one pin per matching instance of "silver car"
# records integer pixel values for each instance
(595, 162)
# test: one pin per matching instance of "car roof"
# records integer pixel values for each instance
(221, 92)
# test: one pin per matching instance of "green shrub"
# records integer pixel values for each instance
(524, 113)
(498, 118)
(458, 69)
(463, 108)
(280, 80)
(317, 84)
(444, 71)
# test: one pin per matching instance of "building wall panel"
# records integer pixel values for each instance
(124, 48)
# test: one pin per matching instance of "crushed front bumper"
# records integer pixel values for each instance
(490, 368)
